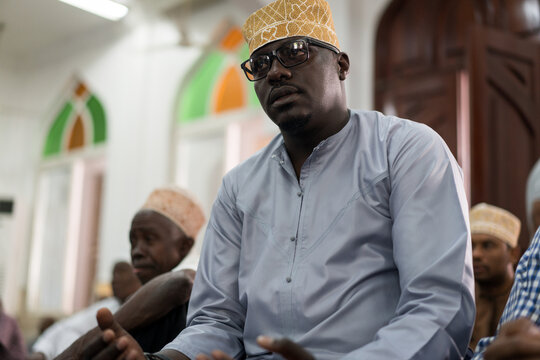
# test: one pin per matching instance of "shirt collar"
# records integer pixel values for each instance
(280, 154)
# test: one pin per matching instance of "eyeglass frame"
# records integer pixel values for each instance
(273, 55)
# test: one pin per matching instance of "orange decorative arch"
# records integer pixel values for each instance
(230, 92)
(76, 138)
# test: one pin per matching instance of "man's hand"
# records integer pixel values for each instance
(152, 301)
(115, 343)
(517, 340)
(285, 347)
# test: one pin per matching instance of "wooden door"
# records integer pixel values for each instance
(440, 100)
(430, 99)
(505, 119)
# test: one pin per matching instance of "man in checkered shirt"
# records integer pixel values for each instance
(519, 327)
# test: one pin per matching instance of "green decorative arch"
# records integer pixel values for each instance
(53, 144)
(195, 101)
(98, 119)
(196, 97)
(243, 54)
(62, 124)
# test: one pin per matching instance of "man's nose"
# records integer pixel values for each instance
(476, 252)
(277, 71)
(138, 249)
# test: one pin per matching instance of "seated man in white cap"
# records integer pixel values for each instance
(162, 233)
(348, 234)
(495, 234)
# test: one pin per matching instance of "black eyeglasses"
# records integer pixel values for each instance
(290, 54)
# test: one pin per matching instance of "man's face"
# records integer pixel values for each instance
(156, 244)
(291, 96)
(491, 259)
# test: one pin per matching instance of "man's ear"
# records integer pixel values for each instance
(343, 65)
(515, 254)
(184, 245)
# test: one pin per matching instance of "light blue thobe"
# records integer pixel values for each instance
(366, 256)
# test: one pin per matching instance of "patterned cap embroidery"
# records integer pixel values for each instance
(286, 18)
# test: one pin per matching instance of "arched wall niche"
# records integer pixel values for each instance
(80, 122)
(67, 209)
(216, 84)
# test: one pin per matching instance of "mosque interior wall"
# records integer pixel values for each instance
(136, 70)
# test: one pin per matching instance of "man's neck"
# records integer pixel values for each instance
(494, 289)
(300, 144)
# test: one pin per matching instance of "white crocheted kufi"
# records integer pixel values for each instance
(179, 206)
(491, 220)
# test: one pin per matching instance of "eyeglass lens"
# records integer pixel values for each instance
(290, 54)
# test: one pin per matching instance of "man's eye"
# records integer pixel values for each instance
(259, 62)
(296, 49)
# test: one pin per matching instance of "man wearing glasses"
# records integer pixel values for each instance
(345, 238)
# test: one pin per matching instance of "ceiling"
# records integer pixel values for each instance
(26, 25)
(31, 24)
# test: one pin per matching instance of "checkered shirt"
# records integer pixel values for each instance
(524, 299)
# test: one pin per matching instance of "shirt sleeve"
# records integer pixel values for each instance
(524, 299)
(216, 316)
(432, 251)
(54, 340)
(59, 336)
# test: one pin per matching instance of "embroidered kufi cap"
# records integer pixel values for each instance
(499, 223)
(286, 18)
(179, 206)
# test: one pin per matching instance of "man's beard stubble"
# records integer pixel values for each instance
(295, 124)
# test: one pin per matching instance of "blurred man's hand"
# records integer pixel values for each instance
(517, 340)
(285, 347)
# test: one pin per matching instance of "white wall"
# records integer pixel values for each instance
(137, 84)
(363, 16)
(139, 134)
(142, 161)
(18, 148)
(135, 69)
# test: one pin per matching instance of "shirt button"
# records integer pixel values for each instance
(288, 279)
(293, 238)
(299, 193)
(281, 162)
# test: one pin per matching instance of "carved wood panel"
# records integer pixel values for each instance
(506, 111)
(494, 45)
(430, 99)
